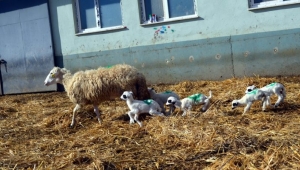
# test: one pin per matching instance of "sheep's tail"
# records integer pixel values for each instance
(210, 94)
(142, 88)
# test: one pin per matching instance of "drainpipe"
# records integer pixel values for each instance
(1, 81)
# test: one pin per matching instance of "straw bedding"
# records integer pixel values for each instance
(35, 133)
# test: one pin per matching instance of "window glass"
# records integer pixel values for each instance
(154, 7)
(181, 8)
(87, 14)
(110, 13)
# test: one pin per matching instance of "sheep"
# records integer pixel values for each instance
(98, 85)
(161, 99)
(249, 98)
(271, 89)
(138, 107)
(187, 103)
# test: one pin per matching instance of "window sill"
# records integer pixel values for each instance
(97, 30)
(172, 19)
(272, 5)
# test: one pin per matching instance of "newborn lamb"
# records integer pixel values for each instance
(161, 99)
(187, 103)
(138, 107)
(271, 89)
(249, 98)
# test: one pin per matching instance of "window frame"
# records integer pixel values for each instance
(269, 4)
(166, 14)
(98, 28)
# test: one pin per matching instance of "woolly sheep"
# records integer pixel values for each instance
(138, 107)
(96, 86)
(161, 99)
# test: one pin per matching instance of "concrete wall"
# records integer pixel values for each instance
(227, 40)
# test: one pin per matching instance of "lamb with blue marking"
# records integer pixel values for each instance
(271, 89)
(249, 98)
(138, 107)
(187, 103)
(161, 99)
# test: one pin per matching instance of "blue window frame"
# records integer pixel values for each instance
(98, 15)
(167, 10)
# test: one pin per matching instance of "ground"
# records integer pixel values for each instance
(35, 133)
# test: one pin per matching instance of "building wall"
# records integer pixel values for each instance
(226, 41)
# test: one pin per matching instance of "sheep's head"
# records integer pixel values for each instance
(234, 104)
(55, 76)
(127, 95)
(171, 101)
(250, 88)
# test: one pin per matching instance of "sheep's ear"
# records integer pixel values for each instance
(131, 92)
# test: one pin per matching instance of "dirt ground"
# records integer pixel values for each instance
(35, 133)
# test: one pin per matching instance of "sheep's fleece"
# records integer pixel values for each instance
(95, 86)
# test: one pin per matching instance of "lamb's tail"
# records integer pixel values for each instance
(210, 94)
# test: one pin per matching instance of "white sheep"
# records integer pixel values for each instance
(96, 86)
(249, 98)
(187, 103)
(161, 99)
(271, 89)
(138, 107)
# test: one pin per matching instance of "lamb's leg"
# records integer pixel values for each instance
(77, 107)
(154, 112)
(265, 102)
(279, 100)
(247, 107)
(131, 116)
(136, 118)
(96, 110)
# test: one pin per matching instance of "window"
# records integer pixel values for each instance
(98, 15)
(153, 11)
(270, 3)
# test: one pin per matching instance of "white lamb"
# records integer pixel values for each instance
(271, 89)
(249, 98)
(96, 86)
(161, 99)
(138, 107)
(187, 103)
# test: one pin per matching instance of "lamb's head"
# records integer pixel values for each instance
(250, 88)
(127, 95)
(234, 104)
(55, 76)
(171, 101)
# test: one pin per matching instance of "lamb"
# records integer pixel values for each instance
(187, 103)
(138, 107)
(249, 98)
(96, 86)
(161, 99)
(271, 89)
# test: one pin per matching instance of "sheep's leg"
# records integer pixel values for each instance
(154, 112)
(77, 107)
(247, 107)
(96, 110)
(265, 102)
(186, 110)
(131, 116)
(279, 100)
(136, 118)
